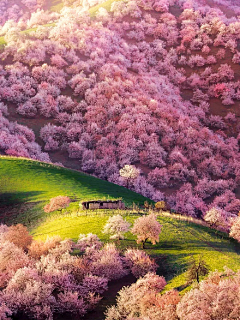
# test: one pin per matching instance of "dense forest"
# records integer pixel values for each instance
(144, 94)
(153, 84)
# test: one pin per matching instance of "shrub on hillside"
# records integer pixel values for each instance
(19, 236)
(160, 205)
(57, 203)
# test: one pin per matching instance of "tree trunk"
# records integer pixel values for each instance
(143, 244)
(197, 274)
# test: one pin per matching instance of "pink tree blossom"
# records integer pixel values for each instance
(89, 241)
(235, 229)
(218, 218)
(139, 262)
(57, 203)
(216, 298)
(130, 298)
(146, 228)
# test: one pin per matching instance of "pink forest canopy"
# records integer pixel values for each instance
(151, 83)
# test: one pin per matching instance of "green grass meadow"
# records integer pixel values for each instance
(178, 242)
(27, 185)
(31, 184)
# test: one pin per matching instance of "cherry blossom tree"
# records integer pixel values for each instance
(139, 262)
(146, 228)
(39, 248)
(129, 298)
(18, 235)
(217, 217)
(129, 173)
(107, 262)
(215, 298)
(57, 203)
(116, 226)
(235, 229)
(89, 241)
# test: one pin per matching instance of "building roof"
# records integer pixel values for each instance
(100, 201)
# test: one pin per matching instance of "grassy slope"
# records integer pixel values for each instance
(32, 183)
(25, 181)
(55, 5)
(179, 241)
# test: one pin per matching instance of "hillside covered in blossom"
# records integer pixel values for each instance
(95, 86)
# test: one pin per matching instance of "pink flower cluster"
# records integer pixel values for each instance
(39, 279)
(112, 93)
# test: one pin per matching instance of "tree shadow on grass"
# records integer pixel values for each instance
(224, 247)
(14, 198)
(19, 207)
(171, 265)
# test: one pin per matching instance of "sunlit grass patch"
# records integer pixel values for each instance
(55, 5)
(178, 242)
(27, 181)
(106, 5)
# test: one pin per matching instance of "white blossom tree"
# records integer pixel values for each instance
(116, 226)
(235, 229)
(217, 217)
(129, 173)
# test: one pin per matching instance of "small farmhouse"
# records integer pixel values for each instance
(102, 204)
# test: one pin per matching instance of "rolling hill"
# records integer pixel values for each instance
(27, 185)
(95, 85)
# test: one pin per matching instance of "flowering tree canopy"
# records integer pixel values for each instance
(116, 226)
(57, 203)
(146, 228)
